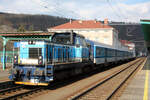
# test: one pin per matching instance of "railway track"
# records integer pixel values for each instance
(18, 92)
(8, 90)
(107, 88)
(7, 84)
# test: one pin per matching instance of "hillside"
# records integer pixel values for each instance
(37, 22)
(12, 22)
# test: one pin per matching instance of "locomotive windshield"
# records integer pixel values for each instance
(35, 52)
(61, 38)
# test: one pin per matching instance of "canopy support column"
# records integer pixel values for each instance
(4, 53)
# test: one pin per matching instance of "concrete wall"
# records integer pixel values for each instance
(100, 35)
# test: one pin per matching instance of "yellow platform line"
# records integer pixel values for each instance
(145, 97)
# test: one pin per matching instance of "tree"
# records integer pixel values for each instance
(21, 28)
(31, 28)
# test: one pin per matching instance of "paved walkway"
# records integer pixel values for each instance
(4, 75)
(139, 87)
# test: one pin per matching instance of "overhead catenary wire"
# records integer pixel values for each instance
(120, 10)
(44, 5)
(110, 5)
(59, 10)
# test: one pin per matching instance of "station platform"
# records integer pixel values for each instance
(138, 88)
(4, 75)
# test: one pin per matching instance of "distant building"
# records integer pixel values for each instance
(91, 29)
(129, 44)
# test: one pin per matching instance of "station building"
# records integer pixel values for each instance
(90, 29)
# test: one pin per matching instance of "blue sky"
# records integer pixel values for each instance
(116, 10)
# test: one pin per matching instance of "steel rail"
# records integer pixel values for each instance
(21, 95)
(122, 83)
(10, 89)
(104, 81)
(6, 84)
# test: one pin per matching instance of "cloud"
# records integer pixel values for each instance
(135, 12)
(118, 10)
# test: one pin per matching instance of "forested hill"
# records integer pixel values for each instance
(12, 22)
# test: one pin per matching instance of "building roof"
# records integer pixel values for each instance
(125, 42)
(81, 24)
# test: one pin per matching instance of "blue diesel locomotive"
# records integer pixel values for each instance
(39, 62)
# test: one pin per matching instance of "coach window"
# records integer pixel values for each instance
(98, 51)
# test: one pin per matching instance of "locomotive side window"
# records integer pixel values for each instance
(80, 41)
(35, 52)
(77, 40)
(83, 42)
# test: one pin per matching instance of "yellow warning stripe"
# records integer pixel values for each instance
(29, 83)
(145, 97)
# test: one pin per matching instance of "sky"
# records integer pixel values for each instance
(114, 10)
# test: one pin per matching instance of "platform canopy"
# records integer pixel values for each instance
(26, 35)
(146, 30)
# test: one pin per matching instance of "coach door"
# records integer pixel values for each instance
(90, 52)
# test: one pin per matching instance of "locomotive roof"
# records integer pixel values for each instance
(75, 34)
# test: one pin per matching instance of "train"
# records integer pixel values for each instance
(40, 62)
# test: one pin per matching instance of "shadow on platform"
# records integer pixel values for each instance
(147, 64)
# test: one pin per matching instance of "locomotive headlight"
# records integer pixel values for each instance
(40, 57)
(15, 59)
(40, 60)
